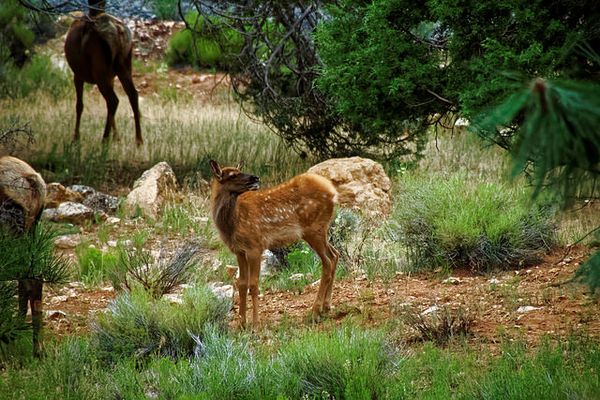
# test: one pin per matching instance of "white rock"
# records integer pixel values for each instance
(430, 310)
(58, 299)
(112, 243)
(175, 298)
(113, 220)
(68, 211)
(150, 190)
(55, 314)
(296, 277)
(494, 281)
(451, 281)
(67, 241)
(526, 309)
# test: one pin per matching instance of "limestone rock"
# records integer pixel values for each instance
(150, 190)
(99, 201)
(75, 213)
(362, 184)
(83, 190)
(56, 194)
(67, 241)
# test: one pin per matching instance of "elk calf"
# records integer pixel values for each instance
(251, 220)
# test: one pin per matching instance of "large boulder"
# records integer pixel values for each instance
(362, 184)
(151, 189)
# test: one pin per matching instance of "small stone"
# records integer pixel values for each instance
(174, 298)
(430, 310)
(67, 241)
(55, 314)
(107, 289)
(58, 299)
(113, 220)
(494, 281)
(526, 309)
(296, 277)
(451, 281)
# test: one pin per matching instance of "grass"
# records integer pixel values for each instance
(184, 134)
(448, 221)
(345, 363)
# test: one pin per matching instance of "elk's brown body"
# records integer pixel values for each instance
(251, 221)
(22, 196)
(98, 48)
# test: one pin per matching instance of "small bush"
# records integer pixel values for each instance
(36, 75)
(165, 9)
(450, 222)
(212, 44)
(137, 325)
(137, 268)
(346, 363)
(438, 326)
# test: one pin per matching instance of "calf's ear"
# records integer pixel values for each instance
(216, 170)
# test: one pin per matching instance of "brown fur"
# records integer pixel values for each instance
(251, 221)
(22, 194)
(97, 49)
(20, 184)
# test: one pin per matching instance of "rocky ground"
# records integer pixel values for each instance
(527, 304)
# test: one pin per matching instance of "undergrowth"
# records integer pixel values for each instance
(450, 221)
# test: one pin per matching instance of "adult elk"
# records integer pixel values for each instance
(22, 196)
(98, 48)
(251, 220)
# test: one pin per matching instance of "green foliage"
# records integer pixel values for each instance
(137, 268)
(451, 222)
(589, 272)
(137, 325)
(25, 256)
(31, 256)
(346, 363)
(165, 9)
(12, 326)
(557, 133)
(16, 37)
(38, 74)
(391, 65)
(95, 265)
(73, 165)
(209, 43)
(304, 268)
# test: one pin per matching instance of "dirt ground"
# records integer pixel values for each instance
(556, 308)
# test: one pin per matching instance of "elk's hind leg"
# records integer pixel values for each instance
(132, 94)
(318, 241)
(112, 102)
(78, 106)
(334, 256)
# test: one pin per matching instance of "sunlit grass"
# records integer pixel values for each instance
(184, 133)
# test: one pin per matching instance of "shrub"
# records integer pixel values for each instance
(211, 44)
(165, 9)
(136, 325)
(450, 222)
(137, 268)
(439, 326)
(38, 74)
(346, 363)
